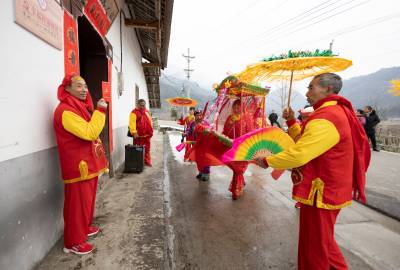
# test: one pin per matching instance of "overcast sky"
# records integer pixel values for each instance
(227, 35)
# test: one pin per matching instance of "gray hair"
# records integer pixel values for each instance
(330, 79)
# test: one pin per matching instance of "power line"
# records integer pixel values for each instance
(372, 22)
(313, 18)
(354, 28)
(333, 15)
(285, 34)
(295, 19)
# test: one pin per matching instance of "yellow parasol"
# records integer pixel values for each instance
(395, 90)
(182, 102)
(294, 66)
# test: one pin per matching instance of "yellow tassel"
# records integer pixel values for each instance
(83, 169)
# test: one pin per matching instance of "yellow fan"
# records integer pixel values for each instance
(258, 143)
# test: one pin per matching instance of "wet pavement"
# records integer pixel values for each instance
(383, 183)
(259, 231)
(130, 213)
(164, 218)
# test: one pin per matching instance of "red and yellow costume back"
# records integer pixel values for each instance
(189, 136)
(140, 122)
(332, 156)
(77, 127)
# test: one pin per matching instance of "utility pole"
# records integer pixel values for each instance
(331, 45)
(188, 70)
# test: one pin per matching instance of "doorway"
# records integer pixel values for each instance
(94, 69)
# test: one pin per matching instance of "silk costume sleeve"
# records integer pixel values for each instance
(318, 137)
(294, 129)
(132, 123)
(78, 126)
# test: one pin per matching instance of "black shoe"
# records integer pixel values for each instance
(376, 150)
(198, 176)
(205, 177)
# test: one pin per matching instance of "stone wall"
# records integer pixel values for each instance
(388, 136)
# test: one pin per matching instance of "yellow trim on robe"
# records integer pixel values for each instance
(328, 103)
(132, 123)
(319, 136)
(78, 126)
(87, 177)
(294, 131)
(318, 188)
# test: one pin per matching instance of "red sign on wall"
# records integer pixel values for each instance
(97, 16)
(71, 55)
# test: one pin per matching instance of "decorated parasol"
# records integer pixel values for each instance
(295, 65)
(395, 90)
(236, 87)
(182, 102)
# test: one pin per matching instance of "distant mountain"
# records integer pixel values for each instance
(372, 89)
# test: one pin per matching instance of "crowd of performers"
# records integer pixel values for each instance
(203, 144)
(237, 123)
(328, 160)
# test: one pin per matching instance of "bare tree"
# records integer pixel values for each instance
(283, 95)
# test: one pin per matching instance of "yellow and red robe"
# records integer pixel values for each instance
(140, 122)
(82, 156)
(325, 155)
(188, 136)
(77, 127)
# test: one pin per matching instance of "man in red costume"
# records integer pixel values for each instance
(331, 156)
(78, 126)
(141, 128)
(235, 126)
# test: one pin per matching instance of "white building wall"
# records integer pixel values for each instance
(132, 71)
(31, 192)
(30, 72)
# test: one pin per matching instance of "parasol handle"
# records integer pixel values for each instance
(290, 89)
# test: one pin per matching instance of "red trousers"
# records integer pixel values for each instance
(318, 249)
(237, 183)
(145, 141)
(79, 202)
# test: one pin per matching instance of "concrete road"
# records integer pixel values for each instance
(130, 213)
(383, 183)
(166, 219)
(207, 230)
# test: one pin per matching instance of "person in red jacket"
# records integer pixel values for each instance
(141, 128)
(235, 126)
(77, 128)
(330, 158)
